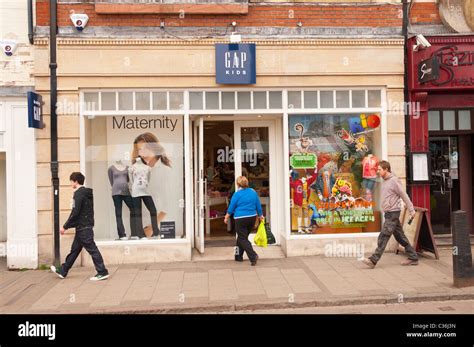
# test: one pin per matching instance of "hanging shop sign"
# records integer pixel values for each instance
(236, 63)
(35, 110)
(428, 70)
(447, 64)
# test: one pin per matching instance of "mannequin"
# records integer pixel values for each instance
(301, 193)
(324, 185)
(314, 216)
(140, 174)
(120, 165)
(118, 178)
(369, 175)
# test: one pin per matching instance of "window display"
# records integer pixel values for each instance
(139, 162)
(333, 173)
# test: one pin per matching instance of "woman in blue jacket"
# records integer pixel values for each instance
(245, 206)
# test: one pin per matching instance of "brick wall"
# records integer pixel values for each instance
(311, 15)
(425, 13)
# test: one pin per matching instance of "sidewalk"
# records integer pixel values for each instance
(219, 286)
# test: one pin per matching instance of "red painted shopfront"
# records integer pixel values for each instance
(441, 85)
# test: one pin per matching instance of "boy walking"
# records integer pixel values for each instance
(392, 191)
(82, 218)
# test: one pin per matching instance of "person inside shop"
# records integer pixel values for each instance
(391, 193)
(246, 208)
(231, 228)
(82, 219)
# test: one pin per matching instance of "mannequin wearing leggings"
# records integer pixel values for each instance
(150, 205)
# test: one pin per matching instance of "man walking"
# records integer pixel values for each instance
(82, 218)
(391, 192)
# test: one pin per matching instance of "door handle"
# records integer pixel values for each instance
(443, 184)
(205, 192)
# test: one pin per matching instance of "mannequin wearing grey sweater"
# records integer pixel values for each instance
(118, 179)
(140, 174)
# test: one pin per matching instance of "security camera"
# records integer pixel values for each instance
(421, 42)
(8, 47)
(79, 20)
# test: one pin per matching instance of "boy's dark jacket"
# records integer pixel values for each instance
(82, 214)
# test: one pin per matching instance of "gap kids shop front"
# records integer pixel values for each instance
(162, 144)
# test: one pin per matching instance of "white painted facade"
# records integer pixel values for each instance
(18, 207)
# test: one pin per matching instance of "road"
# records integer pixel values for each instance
(432, 307)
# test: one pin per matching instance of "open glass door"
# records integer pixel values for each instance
(255, 148)
(444, 189)
(199, 183)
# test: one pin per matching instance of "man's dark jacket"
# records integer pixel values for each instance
(82, 214)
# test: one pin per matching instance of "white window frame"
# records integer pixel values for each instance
(285, 112)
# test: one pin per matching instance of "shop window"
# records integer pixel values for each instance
(333, 182)
(228, 100)
(125, 101)
(358, 98)
(109, 101)
(449, 120)
(275, 99)
(327, 99)
(259, 100)
(243, 99)
(142, 101)
(212, 100)
(135, 167)
(433, 121)
(91, 101)
(195, 100)
(311, 99)
(294, 99)
(464, 119)
(374, 98)
(159, 101)
(342, 99)
(176, 100)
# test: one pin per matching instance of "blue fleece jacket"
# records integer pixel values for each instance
(245, 203)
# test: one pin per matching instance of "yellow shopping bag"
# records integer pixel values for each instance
(261, 236)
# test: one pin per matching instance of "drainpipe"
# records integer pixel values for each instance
(54, 125)
(405, 90)
(30, 21)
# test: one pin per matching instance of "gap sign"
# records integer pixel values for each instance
(236, 63)
(35, 110)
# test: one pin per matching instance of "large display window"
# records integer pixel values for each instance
(135, 166)
(333, 173)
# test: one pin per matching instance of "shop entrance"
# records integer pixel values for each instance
(445, 186)
(224, 149)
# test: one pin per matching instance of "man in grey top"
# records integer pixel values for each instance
(392, 191)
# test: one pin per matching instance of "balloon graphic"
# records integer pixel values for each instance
(373, 121)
